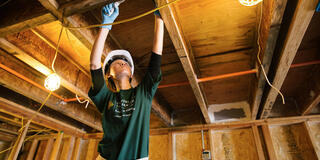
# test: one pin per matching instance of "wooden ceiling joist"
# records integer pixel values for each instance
(32, 14)
(21, 111)
(298, 26)
(73, 110)
(312, 98)
(83, 6)
(84, 35)
(39, 62)
(272, 13)
(183, 52)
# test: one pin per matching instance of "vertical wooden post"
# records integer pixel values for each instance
(311, 139)
(32, 149)
(47, 151)
(257, 141)
(17, 146)
(91, 149)
(75, 153)
(210, 131)
(67, 148)
(268, 140)
(170, 147)
(56, 146)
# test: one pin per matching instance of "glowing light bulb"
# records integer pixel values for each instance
(52, 82)
(249, 2)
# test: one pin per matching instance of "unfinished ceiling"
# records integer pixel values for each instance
(209, 59)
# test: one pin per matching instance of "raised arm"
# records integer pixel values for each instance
(158, 35)
(98, 46)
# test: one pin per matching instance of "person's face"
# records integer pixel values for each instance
(120, 68)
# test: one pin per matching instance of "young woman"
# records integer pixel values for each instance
(125, 110)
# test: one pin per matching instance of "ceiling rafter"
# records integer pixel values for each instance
(183, 51)
(298, 26)
(88, 116)
(273, 11)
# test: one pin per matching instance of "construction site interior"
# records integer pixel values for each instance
(214, 99)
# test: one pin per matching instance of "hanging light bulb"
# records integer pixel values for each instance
(249, 2)
(52, 82)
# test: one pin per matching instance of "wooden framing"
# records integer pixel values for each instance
(87, 116)
(91, 149)
(311, 101)
(299, 24)
(48, 148)
(311, 139)
(183, 52)
(83, 6)
(272, 13)
(67, 148)
(18, 110)
(32, 149)
(56, 146)
(40, 64)
(268, 141)
(33, 14)
(257, 141)
(17, 146)
(76, 150)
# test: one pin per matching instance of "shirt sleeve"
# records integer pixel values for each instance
(98, 91)
(152, 78)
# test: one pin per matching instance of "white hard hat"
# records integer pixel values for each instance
(118, 54)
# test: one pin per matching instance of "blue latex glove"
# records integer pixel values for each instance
(105, 14)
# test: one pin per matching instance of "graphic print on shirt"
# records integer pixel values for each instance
(124, 108)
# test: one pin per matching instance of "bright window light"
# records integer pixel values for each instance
(52, 82)
(249, 2)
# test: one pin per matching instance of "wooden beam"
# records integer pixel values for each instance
(269, 143)
(84, 35)
(16, 109)
(17, 146)
(272, 13)
(75, 153)
(56, 146)
(311, 138)
(86, 116)
(171, 146)
(311, 98)
(32, 150)
(76, 81)
(257, 141)
(83, 6)
(91, 149)
(298, 26)
(67, 148)
(48, 148)
(223, 125)
(312, 104)
(183, 52)
(31, 14)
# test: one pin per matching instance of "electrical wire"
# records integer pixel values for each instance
(56, 53)
(83, 101)
(258, 57)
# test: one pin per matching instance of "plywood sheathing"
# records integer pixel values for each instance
(290, 142)
(189, 145)
(234, 144)
(158, 147)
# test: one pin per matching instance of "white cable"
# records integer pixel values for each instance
(83, 101)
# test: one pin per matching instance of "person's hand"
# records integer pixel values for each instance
(106, 17)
